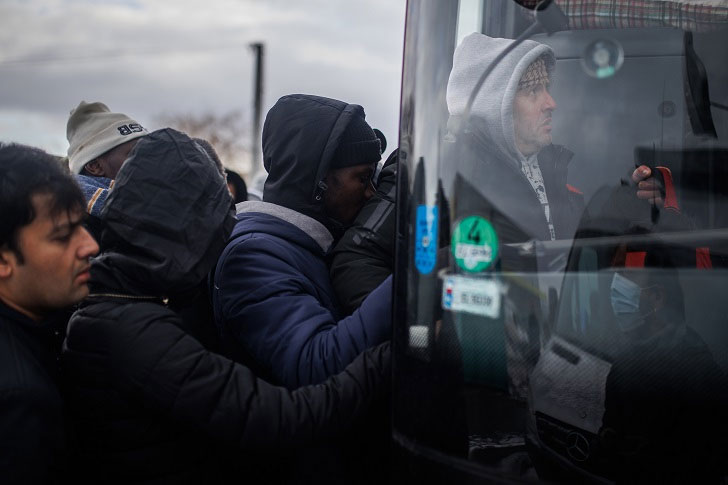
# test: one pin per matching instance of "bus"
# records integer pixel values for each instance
(561, 247)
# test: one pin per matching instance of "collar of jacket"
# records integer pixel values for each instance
(42, 336)
(49, 323)
(317, 231)
(555, 158)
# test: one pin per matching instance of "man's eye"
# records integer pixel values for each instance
(67, 234)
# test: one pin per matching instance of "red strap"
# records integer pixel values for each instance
(571, 188)
(670, 194)
(635, 259)
(702, 258)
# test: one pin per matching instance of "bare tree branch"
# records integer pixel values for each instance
(226, 132)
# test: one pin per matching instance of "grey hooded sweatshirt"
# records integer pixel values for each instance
(495, 180)
(515, 186)
(491, 116)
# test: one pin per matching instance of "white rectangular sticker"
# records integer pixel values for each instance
(471, 295)
(474, 252)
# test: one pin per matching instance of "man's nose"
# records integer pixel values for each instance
(549, 103)
(88, 247)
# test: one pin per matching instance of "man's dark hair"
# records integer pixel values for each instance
(24, 172)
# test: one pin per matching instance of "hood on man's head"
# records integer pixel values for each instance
(93, 130)
(168, 216)
(491, 116)
(303, 137)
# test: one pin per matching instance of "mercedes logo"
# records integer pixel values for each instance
(577, 446)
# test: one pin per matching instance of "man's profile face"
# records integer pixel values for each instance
(54, 270)
(348, 190)
(109, 164)
(532, 110)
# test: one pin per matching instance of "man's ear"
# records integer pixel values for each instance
(94, 168)
(8, 260)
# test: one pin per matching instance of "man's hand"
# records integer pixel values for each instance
(648, 187)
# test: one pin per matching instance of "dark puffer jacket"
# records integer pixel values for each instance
(492, 187)
(273, 300)
(152, 405)
(32, 427)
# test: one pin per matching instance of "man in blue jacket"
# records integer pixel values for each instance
(273, 300)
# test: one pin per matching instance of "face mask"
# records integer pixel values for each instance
(625, 297)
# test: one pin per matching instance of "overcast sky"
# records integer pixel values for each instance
(147, 58)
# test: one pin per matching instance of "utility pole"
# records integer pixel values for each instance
(256, 160)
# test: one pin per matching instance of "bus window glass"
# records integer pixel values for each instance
(574, 161)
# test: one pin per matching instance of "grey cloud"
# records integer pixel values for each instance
(150, 57)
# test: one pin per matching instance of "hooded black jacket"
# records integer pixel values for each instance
(32, 427)
(152, 404)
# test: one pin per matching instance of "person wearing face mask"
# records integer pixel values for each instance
(665, 395)
(641, 311)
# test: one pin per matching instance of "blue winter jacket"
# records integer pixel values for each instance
(274, 301)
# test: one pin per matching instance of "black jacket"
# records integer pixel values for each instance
(152, 404)
(492, 186)
(32, 430)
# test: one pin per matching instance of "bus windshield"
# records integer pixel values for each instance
(563, 239)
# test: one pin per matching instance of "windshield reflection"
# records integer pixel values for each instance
(578, 327)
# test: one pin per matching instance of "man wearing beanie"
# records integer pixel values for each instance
(99, 143)
(506, 149)
(509, 134)
(273, 300)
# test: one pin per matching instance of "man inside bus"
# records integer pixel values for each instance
(509, 129)
(665, 395)
(509, 172)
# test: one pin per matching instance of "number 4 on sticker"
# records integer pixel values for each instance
(474, 244)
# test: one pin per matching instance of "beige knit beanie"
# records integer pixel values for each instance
(536, 73)
(93, 130)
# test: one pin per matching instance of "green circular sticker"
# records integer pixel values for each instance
(474, 244)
